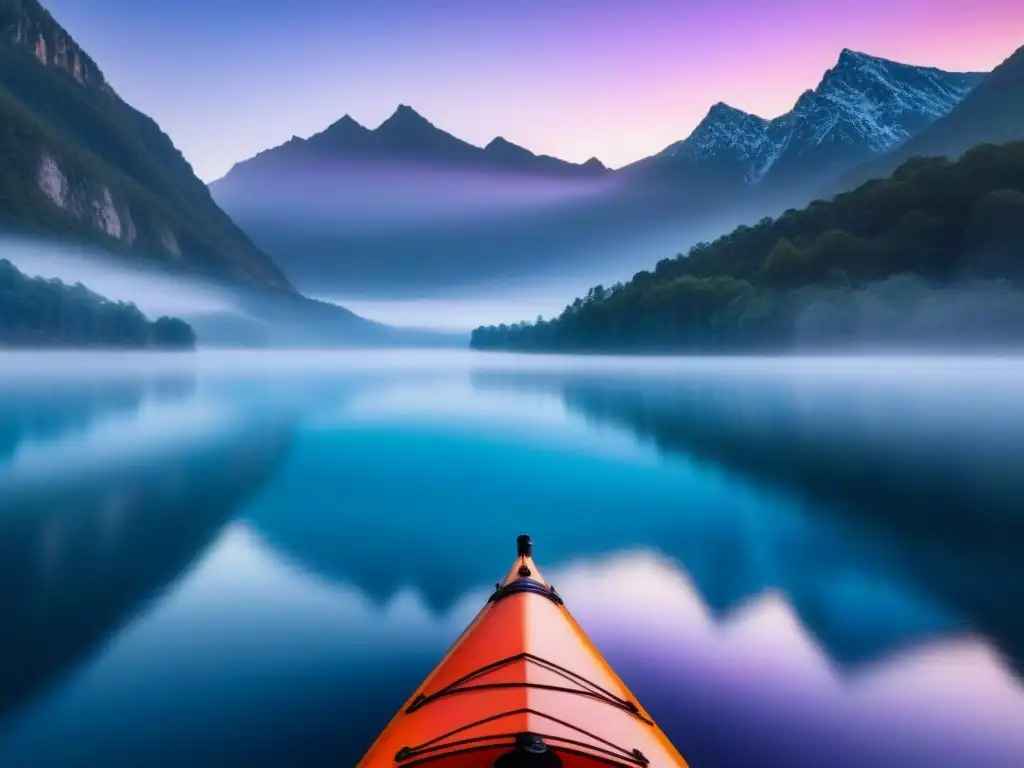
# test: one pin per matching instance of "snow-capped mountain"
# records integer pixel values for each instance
(864, 106)
(991, 113)
(731, 137)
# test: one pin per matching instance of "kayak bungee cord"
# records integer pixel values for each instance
(633, 756)
(487, 702)
(595, 691)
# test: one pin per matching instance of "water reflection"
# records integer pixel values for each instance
(101, 510)
(378, 481)
(926, 473)
(31, 413)
(756, 688)
(266, 664)
(252, 558)
(891, 447)
(245, 662)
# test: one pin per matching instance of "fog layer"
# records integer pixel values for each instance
(154, 292)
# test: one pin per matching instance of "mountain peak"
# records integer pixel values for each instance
(721, 111)
(346, 124)
(502, 147)
(404, 114)
(595, 164)
(499, 142)
(347, 120)
(848, 55)
(408, 127)
(863, 106)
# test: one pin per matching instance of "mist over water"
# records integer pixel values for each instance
(469, 308)
(154, 292)
(223, 314)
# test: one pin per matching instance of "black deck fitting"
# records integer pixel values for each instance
(524, 546)
(530, 752)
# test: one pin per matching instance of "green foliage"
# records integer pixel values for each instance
(934, 220)
(38, 312)
(172, 332)
(786, 265)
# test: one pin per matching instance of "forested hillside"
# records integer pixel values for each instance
(37, 312)
(881, 263)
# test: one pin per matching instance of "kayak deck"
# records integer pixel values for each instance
(522, 687)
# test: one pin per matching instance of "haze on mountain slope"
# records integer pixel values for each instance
(927, 258)
(82, 165)
(408, 211)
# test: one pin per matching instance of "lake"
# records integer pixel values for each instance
(254, 558)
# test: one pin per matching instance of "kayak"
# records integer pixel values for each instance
(522, 687)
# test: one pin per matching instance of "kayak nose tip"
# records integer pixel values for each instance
(524, 546)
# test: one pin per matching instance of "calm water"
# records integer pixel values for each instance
(254, 559)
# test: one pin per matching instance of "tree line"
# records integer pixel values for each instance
(883, 250)
(38, 312)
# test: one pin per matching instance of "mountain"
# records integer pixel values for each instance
(407, 138)
(407, 210)
(863, 107)
(727, 139)
(929, 257)
(501, 153)
(79, 161)
(992, 113)
(160, 529)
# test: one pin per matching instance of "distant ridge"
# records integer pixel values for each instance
(410, 138)
(363, 211)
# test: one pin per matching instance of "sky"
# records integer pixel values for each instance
(615, 79)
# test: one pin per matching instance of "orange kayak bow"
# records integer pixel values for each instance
(523, 687)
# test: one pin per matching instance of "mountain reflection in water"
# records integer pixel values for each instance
(100, 511)
(223, 567)
(933, 463)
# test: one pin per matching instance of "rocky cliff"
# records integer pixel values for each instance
(75, 159)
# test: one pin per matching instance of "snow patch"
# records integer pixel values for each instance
(863, 103)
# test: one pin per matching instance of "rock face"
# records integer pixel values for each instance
(98, 210)
(863, 107)
(80, 161)
(992, 113)
(27, 25)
